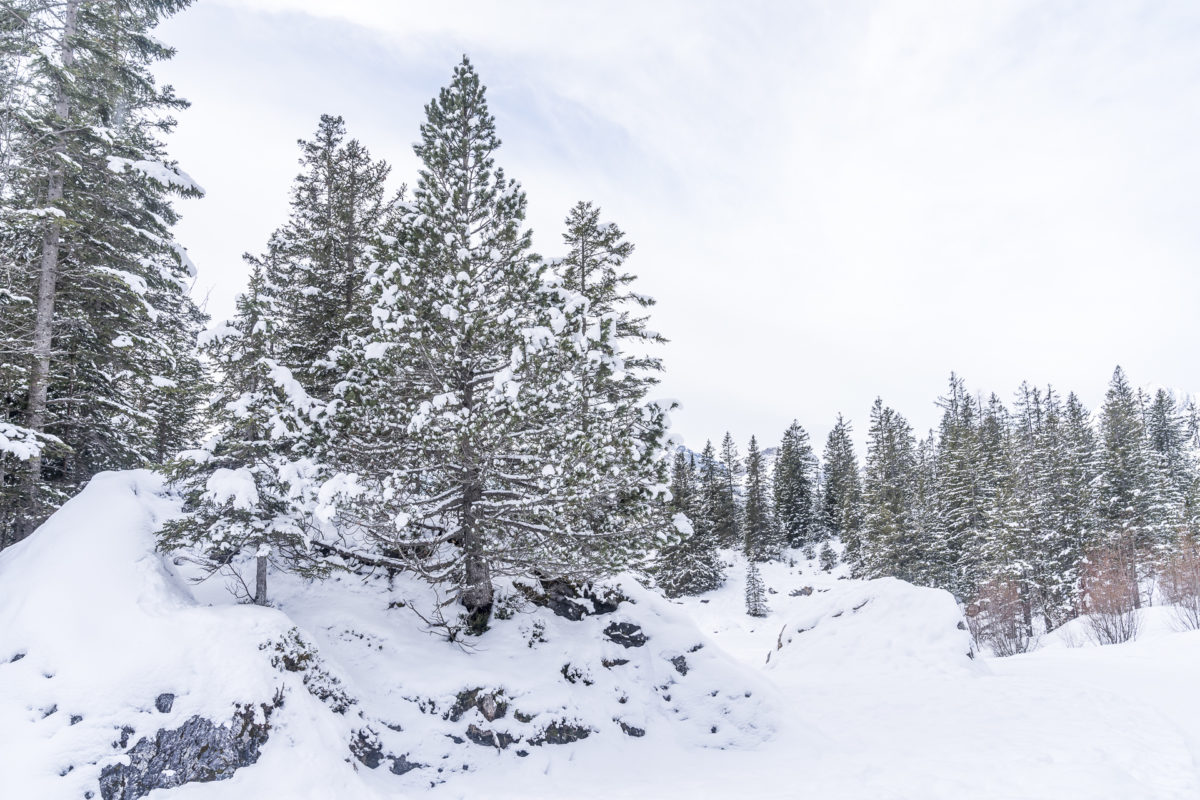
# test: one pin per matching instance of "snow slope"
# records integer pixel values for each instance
(848, 689)
(100, 626)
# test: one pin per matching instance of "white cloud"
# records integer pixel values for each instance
(830, 200)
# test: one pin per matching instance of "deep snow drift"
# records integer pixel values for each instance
(848, 689)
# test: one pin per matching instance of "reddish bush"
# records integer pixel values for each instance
(1110, 595)
(998, 619)
(1179, 580)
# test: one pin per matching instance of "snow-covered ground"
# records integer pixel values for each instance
(848, 689)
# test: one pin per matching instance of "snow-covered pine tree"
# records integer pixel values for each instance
(794, 484)
(762, 539)
(962, 496)
(1173, 475)
(242, 487)
(718, 507)
(318, 262)
(1020, 457)
(841, 498)
(612, 456)
(692, 565)
(1075, 505)
(756, 592)
(459, 391)
(104, 338)
(1125, 491)
(889, 541)
(729, 522)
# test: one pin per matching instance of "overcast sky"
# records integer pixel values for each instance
(830, 200)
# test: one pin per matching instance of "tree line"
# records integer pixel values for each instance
(1041, 505)
(406, 383)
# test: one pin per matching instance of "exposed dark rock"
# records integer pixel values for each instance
(199, 750)
(631, 730)
(164, 702)
(565, 599)
(123, 741)
(491, 705)
(574, 674)
(680, 664)
(366, 747)
(76, 719)
(560, 598)
(16, 658)
(401, 765)
(561, 732)
(962, 626)
(609, 663)
(48, 711)
(696, 647)
(487, 738)
(805, 592)
(607, 600)
(625, 634)
(523, 717)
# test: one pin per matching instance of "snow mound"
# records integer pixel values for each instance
(101, 645)
(608, 671)
(113, 662)
(874, 627)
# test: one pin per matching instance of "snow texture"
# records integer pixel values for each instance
(847, 689)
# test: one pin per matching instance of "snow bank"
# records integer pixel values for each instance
(874, 627)
(95, 627)
(616, 670)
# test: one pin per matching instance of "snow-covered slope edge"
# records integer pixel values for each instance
(118, 676)
(102, 645)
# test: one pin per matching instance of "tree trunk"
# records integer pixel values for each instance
(260, 581)
(43, 326)
(477, 592)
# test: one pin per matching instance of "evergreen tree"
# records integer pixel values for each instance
(756, 593)
(98, 353)
(1172, 471)
(719, 508)
(691, 566)
(890, 545)
(841, 498)
(727, 511)
(1125, 486)
(238, 487)
(459, 393)
(795, 481)
(762, 541)
(613, 438)
(962, 495)
(318, 262)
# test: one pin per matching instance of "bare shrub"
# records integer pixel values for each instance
(997, 619)
(1179, 580)
(1110, 595)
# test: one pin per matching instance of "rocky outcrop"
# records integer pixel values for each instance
(199, 750)
(625, 634)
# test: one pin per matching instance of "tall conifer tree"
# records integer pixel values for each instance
(794, 483)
